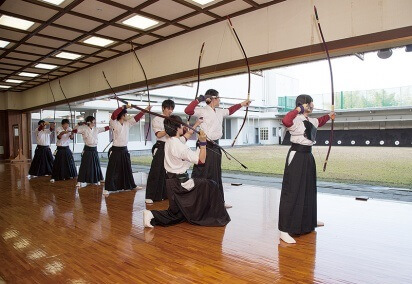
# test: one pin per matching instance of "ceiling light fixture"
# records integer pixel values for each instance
(14, 81)
(99, 41)
(203, 2)
(45, 66)
(4, 43)
(27, 74)
(68, 55)
(54, 2)
(14, 22)
(4, 87)
(140, 22)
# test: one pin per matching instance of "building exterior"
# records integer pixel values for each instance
(358, 123)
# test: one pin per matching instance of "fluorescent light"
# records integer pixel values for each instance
(140, 22)
(54, 2)
(99, 41)
(14, 81)
(4, 87)
(15, 22)
(27, 74)
(4, 43)
(203, 2)
(68, 55)
(45, 66)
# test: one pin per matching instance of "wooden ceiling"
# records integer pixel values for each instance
(63, 28)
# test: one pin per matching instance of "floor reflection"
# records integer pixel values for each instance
(53, 233)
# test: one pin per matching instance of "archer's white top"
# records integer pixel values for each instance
(65, 139)
(212, 120)
(178, 156)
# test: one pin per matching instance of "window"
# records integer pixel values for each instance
(136, 131)
(34, 125)
(227, 129)
(78, 138)
(264, 134)
(53, 137)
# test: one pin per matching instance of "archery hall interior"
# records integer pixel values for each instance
(95, 187)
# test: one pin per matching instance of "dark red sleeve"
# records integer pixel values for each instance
(190, 109)
(138, 116)
(40, 128)
(106, 128)
(234, 108)
(289, 117)
(322, 120)
(74, 131)
(116, 113)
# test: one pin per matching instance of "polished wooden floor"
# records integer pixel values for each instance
(53, 233)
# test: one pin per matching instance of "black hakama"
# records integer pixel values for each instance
(63, 166)
(202, 205)
(90, 171)
(156, 181)
(42, 163)
(212, 168)
(119, 175)
(298, 209)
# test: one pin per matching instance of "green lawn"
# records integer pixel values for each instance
(387, 166)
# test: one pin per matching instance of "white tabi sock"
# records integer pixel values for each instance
(287, 238)
(147, 217)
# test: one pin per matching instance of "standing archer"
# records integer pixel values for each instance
(63, 166)
(119, 174)
(213, 127)
(90, 171)
(298, 205)
(42, 163)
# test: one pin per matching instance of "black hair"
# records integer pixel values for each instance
(123, 112)
(303, 99)
(89, 119)
(210, 94)
(168, 104)
(40, 122)
(65, 121)
(172, 126)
